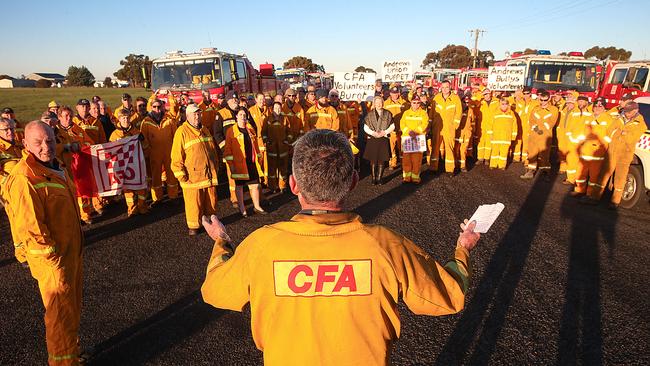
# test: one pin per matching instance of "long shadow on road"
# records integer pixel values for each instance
(484, 316)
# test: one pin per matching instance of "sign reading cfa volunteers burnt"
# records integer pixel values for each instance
(393, 71)
(357, 86)
(506, 78)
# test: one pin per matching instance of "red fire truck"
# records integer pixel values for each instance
(212, 70)
(554, 72)
(625, 77)
(468, 76)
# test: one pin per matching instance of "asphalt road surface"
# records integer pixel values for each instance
(554, 282)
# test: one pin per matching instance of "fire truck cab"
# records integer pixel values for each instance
(216, 71)
(625, 77)
(555, 72)
(469, 76)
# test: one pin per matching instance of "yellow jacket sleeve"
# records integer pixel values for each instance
(178, 158)
(336, 123)
(227, 281)
(30, 219)
(426, 286)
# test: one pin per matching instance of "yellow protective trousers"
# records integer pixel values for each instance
(411, 164)
(199, 202)
(135, 201)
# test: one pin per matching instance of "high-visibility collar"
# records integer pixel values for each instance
(327, 218)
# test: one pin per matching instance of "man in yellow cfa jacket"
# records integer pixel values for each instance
(414, 122)
(10, 154)
(194, 163)
(396, 105)
(324, 267)
(322, 115)
(43, 197)
(449, 110)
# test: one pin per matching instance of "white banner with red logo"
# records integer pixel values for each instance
(118, 166)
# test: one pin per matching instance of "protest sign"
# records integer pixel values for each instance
(394, 71)
(358, 86)
(414, 144)
(506, 78)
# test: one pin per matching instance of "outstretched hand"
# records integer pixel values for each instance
(468, 238)
(214, 228)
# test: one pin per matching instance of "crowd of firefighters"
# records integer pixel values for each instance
(477, 124)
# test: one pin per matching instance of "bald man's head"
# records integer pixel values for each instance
(40, 141)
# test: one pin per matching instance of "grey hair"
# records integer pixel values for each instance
(323, 166)
(8, 121)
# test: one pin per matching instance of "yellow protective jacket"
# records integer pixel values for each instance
(323, 288)
(46, 214)
(354, 114)
(322, 118)
(396, 108)
(119, 134)
(9, 156)
(296, 117)
(448, 110)
(158, 137)
(504, 127)
(225, 120)
(544, 119)
(194, 157)
(92, 127)
(259, 116)
(594, 146)
(234, 152)
(486, 110)
(209, 114)
(133, 115)
(576, 121)
(623, 135)
(417, 121)
(466, 128)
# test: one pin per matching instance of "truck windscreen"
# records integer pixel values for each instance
(554, 75)
(187, 74)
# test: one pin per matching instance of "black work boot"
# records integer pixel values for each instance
(380, 173)
(373, 174)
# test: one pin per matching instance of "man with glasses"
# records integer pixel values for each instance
(158, 129)
(141, 112)
(310, 98)
(543, 119)
(9, 155)
(194, 163)
(322, 115)
(20, 129)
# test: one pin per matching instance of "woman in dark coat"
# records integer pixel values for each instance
(378, 126)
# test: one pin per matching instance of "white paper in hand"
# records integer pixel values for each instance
(485, 216)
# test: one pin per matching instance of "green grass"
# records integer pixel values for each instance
(29, 103)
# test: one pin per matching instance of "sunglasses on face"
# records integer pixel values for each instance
(155, 106)
(543, 99)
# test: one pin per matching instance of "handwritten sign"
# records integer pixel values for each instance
(506, 78)
(354, 85)
(393, 71)
(414, 144)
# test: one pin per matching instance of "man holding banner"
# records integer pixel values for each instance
(414, 123)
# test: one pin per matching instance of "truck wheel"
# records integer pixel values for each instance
(633, 187)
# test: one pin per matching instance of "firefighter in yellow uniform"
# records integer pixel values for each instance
(616, 111)
(209, 110)
(275, 135)
(354, 115)
(414, 122)
(561, 131)
(194, 163)
(296, 116)
(158, 129)
(260, 112)
(42, 196)
(75, 135)
(523, 105)
(128, 105)
(135, 200)
(20, 127)
(542, 121)
(575, 133)
(325, 269)
(448, 109)
(92, 127)
(434, 143)
(225, 121)
(593, 149)
(396, 105)
(322, 115)
(488, 107)
(10, 154)
(504, 133)
(464, 132)
(345, 126)
(623, 136)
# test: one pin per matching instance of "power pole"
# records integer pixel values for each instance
(477, 32)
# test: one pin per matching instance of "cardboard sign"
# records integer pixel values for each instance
(506, 78)
(356, 86)
(393, 71)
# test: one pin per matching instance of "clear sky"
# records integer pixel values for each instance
(49, 36)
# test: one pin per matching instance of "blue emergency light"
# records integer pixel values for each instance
(543, 52)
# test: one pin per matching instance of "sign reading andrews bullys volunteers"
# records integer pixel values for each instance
(506, 78)
(393, 71)
(357, 86)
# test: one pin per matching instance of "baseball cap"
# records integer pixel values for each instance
(221, 96)
(584, 98)
(627, 96)
(232, 95)
(600, 101)
(126, 96)
(321, 93)
(415, 98)
(334, 92)
(629, 107)
(83, 101)
(394, 89)
(191, 108)
(7, 110)
(52, 104)
(289, 92)
(486, 91)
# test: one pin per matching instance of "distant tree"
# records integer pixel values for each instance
(303, 62)
(108, 83)
(611, 53)
(452, 56)
(132, 67)
(364, 69)
(42, 83)
(530, 51)
(563, 54)
(485, 58)
(5, 76)
(80, 76)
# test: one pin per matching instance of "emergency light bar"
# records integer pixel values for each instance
(576, 53)
(544, 52)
